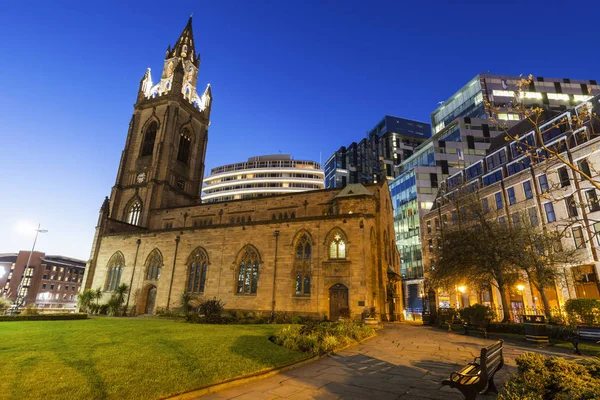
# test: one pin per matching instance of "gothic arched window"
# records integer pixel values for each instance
(149, 138)
(154, 264)
(303, 248)
(302, 265)
(337, 247)
(115, 270)
(135, 212)
(198, 264)
(248, 271)
(183, 154)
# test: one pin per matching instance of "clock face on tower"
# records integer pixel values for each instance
(141, 177)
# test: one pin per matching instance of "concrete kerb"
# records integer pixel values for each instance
(255, 376)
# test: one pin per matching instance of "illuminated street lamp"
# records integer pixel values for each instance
(520, 287)
(462, 289)
(21, 295)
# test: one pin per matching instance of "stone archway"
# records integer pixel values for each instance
(148, 300)
(338, 300)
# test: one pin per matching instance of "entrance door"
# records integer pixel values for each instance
(150, 300)
(338, 299)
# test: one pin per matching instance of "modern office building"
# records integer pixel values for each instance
(378, 155)
(511, 184)
(262, 176)
(500, 90)
(50, 281)
(462, 133)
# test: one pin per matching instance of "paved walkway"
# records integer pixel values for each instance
(404, 361)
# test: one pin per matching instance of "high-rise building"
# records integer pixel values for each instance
(462, 132)
(378, 155)
(500, 90)
(49, 281)
(262, 176)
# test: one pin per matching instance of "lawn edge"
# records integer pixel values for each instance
(255, 376)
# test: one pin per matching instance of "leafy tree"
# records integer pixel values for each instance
(476, 251)
(4, 305)
(98, 295)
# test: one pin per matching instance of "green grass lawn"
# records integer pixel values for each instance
(119, 358)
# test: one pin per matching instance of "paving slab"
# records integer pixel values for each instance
(404, 361)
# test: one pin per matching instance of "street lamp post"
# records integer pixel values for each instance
(21, 297)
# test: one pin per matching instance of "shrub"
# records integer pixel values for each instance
(507, 327)
(211, 310)
(321, 337)
(84, 299)
(477, 314)
(446, 314)
(4, 305)
(114, 306)
(103, 310)
(163, 312)
(583, 311)
(30, 310)
(544, 378)
(345, 312)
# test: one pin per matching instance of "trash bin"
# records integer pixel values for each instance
(426, 317)
(535, 328)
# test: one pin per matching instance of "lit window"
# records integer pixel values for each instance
(579, 97)
(558, 96)
(248, 271)
(503, 93)
(337, 247)
(531, 95)
(135, 211)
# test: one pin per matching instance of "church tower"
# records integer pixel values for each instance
(162, 164)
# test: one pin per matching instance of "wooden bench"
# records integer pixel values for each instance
(479, 374)
(483, 327)
(589, 333)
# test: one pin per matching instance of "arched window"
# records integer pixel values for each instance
(337, 247)
(302, 265)
(135, 212)
(248, 271)
(115, 270)
(303, 248)
(154, 264)
(197, 263)
(149, 138)
(185, 139)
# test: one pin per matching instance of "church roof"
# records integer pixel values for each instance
(185, 46)
(353, 189)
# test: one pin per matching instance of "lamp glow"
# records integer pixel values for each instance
(462, 289)
(520, 287)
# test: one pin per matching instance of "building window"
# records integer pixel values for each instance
(115, 270)
(248, 271)
(149, 138)
(197, 264)
(429, 226)
(337, 247)
(454, 218)
(154, 264)
(183, 154)
(563, 175)
(135, 211)
(499, 203)
(549, 209)
(527, 190)
(571, 206)
(485, 205)
(592, 198)
(533, 218)
(303, 248)
(578, 237)
(302, 285)
(302, 265)
(512, 198)
(597, 232)
(584, 167)
(543, 180)
(43, 286)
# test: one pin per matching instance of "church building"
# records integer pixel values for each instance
(320, 253)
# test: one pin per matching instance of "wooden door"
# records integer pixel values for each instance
(338, 299)
(150, 300)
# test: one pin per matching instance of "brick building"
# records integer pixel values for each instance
(50, 282)
(311, 253)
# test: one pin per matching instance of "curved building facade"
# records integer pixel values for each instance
(262, 176)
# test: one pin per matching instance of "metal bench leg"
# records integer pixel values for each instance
(491, 388)
(469, 393)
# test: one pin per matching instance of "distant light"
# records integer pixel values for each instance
(462, 289)
(520, 288)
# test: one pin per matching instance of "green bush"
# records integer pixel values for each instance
(43, 317)
(4, 305)
(163, 312)
(507, 327)
(30, 310)
(541, 378)
(583, 311)
(477, 314)
(321, 337)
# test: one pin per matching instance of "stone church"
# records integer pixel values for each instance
(317, 253)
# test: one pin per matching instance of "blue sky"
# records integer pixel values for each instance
(299, 77)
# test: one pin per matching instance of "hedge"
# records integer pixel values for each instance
(43, 317)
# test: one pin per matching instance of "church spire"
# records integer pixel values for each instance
(184, 48)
